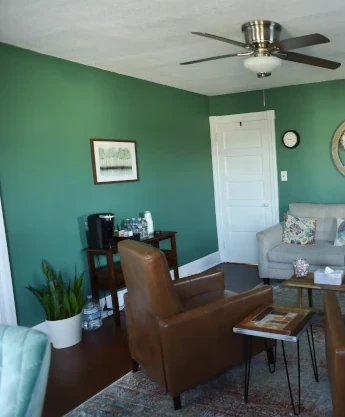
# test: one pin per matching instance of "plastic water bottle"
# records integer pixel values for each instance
(92, 314)
(126, 224)
(134, 226)
(140, 228)
(145, 232)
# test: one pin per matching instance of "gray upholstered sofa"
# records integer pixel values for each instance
(275, 257)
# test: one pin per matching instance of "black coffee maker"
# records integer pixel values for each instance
(100, 231)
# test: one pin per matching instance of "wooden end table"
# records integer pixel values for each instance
(308, 283)
(283, 323)
(110, 277)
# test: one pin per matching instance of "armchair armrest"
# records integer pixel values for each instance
(202, 340)
(267, 239)
(228, 310)
(199, 284)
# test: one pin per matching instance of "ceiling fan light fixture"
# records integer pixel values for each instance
(262, 65)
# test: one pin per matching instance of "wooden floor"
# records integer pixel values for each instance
(79, 372)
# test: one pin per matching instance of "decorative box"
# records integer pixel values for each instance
(333, 278)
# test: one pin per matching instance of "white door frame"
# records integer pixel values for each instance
(7, 305)
(268, 115)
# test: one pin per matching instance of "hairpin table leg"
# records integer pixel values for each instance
(312, 353)
(299, 380)
(247, 367)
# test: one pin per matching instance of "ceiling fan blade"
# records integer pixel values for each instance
(301, 41)
(309, 60)
(208, 59)
(220, 38)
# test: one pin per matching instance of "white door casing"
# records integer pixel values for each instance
(7, 305)
(245, 181)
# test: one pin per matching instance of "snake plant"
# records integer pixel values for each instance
(59, 300)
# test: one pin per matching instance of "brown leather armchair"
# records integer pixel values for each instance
(181, 331)
(335, 351)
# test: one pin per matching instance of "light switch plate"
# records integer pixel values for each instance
(283, 175)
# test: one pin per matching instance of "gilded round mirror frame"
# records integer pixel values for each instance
(335, 148)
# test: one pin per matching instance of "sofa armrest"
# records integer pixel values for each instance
(199, 284)
(268, 239)
(201, 341)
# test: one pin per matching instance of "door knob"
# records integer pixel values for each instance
(266, 205)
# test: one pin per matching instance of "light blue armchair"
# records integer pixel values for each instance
(24, 367)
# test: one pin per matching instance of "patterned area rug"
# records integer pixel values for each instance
(137, 395)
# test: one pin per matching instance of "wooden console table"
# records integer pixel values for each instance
(110, 277)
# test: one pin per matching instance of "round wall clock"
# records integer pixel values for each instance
(291, 139)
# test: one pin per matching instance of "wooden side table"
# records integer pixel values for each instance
(110, 277)
(308, 283)
(286, 324)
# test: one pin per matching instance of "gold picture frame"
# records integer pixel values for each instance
(338, 135)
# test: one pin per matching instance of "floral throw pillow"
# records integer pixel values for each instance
(299, 230)
(340, 236)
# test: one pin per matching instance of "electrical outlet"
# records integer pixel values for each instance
(283, 175)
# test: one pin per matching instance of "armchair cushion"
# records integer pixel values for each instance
(204, 288)
(199, 284)
(206, 298)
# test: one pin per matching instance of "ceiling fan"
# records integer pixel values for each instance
(265, 50)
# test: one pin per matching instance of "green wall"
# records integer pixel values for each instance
(315, 111)
(49, 110)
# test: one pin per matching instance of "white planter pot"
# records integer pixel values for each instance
(65, 333)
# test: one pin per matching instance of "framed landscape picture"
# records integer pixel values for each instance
(114, 160)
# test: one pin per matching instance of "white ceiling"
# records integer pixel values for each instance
(148, 38)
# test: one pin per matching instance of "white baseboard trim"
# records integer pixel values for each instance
(200, 265)
(191, 268)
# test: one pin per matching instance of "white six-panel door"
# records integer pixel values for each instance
(246, 183)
